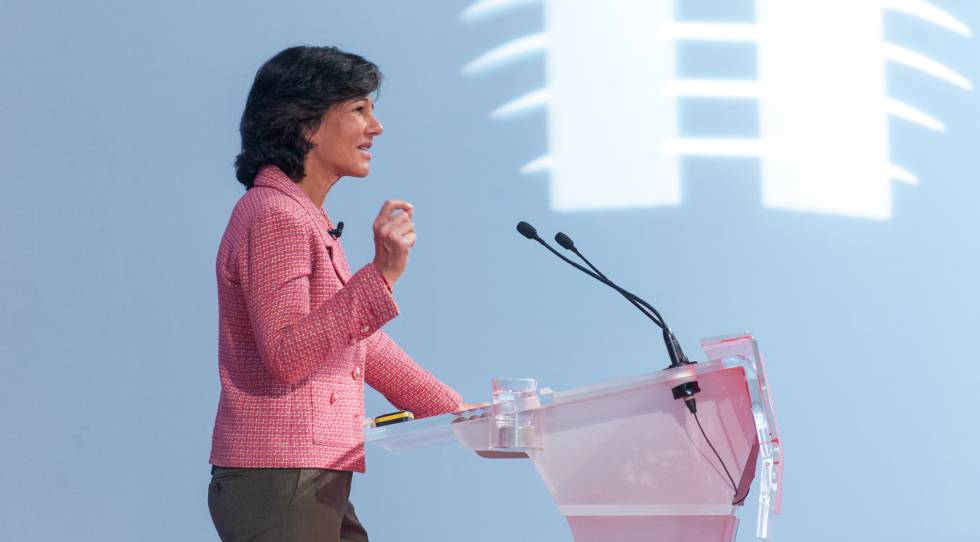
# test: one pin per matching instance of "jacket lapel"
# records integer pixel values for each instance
(273, 177)
(339, 262)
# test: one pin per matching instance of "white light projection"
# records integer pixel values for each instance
(612, 91)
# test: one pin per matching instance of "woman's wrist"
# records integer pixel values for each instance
(388, 283)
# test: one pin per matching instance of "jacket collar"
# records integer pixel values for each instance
(273, 177)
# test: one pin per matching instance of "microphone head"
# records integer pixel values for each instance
(527, 230)
(565, 241)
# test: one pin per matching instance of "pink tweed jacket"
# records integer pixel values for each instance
(298, 335)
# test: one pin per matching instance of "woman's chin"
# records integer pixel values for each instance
(356, 174)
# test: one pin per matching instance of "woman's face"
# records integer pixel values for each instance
(341, 143)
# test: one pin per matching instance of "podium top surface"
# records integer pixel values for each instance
(723, 352)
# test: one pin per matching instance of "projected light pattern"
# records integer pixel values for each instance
(826, 108)
(612, 92)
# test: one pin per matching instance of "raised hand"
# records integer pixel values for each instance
(394, 236)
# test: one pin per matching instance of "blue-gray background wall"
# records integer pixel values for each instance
(118, 127)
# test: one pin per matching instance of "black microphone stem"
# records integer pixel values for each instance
(674, 350)
(631, 299)
(607, 282)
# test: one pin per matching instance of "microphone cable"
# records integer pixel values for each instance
(727, 473)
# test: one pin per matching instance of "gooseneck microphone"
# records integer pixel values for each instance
(677, 357)
(530, 232)
(566, 243)
(674, 350)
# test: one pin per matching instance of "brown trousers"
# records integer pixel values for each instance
(283, 505)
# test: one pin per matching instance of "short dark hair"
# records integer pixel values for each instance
(289, 97)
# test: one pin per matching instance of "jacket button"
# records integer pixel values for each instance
(333, 398)
(357, 372)
(365, 329)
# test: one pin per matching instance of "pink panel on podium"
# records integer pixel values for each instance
(632, 458)
(641, 447)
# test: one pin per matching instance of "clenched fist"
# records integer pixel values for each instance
(394, 236)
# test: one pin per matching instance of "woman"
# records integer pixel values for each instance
(299, 334)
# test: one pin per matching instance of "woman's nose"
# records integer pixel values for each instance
(376, 128)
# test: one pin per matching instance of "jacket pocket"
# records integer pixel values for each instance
(337, 406)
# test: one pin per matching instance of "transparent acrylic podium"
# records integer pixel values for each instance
(625, 461)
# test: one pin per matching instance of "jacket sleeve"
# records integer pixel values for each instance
(405, 383)
(292, 337)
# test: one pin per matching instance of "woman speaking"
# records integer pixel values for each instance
(299, 334)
